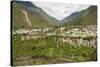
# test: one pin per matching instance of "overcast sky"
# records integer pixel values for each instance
(60, 10)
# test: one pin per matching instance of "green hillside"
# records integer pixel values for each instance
(91, 17)
(19, 20)
(18, 17)
(85, 17)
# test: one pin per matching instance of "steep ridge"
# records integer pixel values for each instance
(31, 7)
(34, 17)
(85, 17)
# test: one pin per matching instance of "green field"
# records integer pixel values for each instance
(45, 51)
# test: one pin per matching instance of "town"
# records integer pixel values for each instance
(74, 35)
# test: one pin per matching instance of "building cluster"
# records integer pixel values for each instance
(75, 35)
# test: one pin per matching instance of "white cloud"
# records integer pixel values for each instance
(60, 10)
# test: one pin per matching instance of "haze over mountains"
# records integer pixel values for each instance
(25, 15)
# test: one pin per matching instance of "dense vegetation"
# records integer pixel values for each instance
(45, 51)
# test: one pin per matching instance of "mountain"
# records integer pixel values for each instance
(84, 17)
(27, 15)
(73, 19)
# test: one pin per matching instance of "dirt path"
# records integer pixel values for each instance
(27, 18)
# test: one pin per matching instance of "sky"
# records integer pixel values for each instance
(59, 10)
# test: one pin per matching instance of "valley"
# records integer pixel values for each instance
(38, 38)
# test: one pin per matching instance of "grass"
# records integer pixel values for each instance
(45, 51)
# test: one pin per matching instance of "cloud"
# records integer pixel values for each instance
(60, 10)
